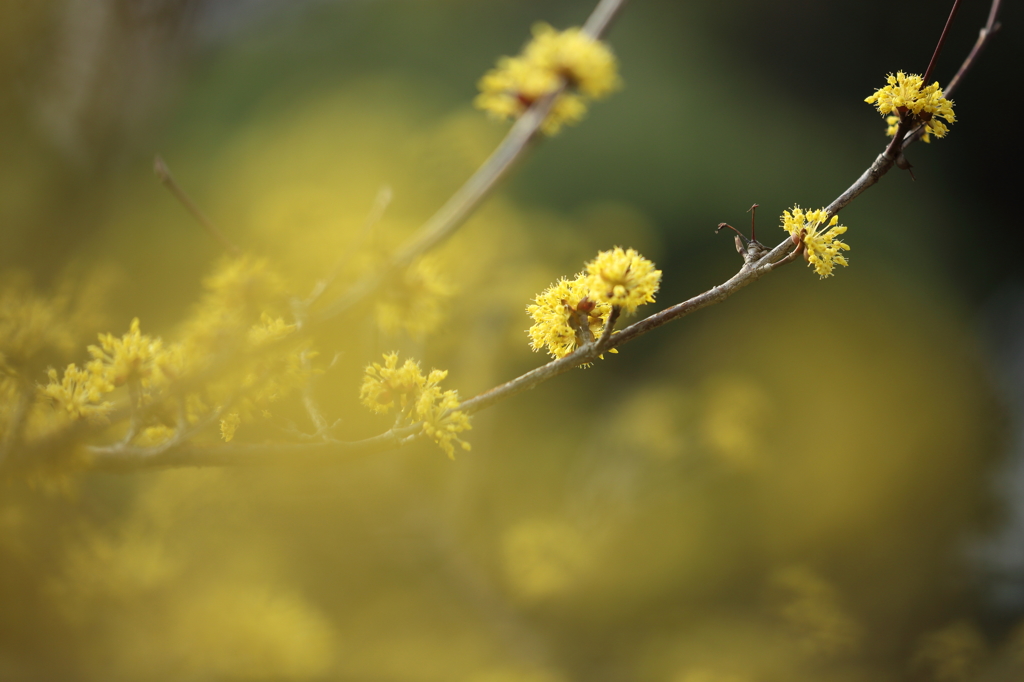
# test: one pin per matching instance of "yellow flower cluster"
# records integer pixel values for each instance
(584, 65)
(623, 278)
(80, 392)
(419, 398)
(572, 312)
(565, 317)
(134, 358)
(821, 247)
(905, 97)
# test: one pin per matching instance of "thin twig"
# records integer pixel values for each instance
(163, 173)
(941, 43)
(990, 28)
(987, 31)
(130, 460)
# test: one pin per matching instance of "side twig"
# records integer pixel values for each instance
(163, 173)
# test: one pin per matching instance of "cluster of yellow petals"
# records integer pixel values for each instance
(419, 399)
(907, 96)
(584, 65)
(822, 249)
(623, 278)
(80, 392)
(134, 358)
(566, 316)
(573, 312)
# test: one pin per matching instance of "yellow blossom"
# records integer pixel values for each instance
(441, 420)
(585, 66)
(134, 357)
(623, 278)
(415, 301)
(269, 329)
(228, 426)
(821, 248)
(420, 397)
(384, 383)
(32, 330)
(905, 97)
(152, 436)
(80, 392)
(566, 316)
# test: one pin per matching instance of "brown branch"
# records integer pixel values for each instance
(163, 173)
(941, 43)
(984, 35)
(987, 31)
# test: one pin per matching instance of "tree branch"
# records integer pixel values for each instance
(127, 459)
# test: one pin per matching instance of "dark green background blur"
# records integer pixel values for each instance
(814, 480)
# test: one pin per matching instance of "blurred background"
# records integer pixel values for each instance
(817, 480)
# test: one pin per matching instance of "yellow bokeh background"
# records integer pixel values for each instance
(777, 488)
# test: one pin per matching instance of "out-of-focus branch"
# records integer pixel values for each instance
(132, 460)
(467, 198)
(163, 173)
(987, 31)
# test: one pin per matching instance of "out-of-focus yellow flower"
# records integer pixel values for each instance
(623, 278)
(383, 384)
(415, 301)
(269, 329)
(229, 425)
(135, 357)
(442, 421)
(80, 391)
(812, 610)
(822, 249)
(566, 316)
(907, 96)
(32, 327)
(586, 66)
(420, 399)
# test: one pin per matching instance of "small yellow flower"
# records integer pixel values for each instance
(566, 316)
(821, 248)
(442, 421)
(905, 97)
(420, 397)
(623, 278)
(269, 329)
(229, 425)
(384, 383)
(80, 392)
(586, 66)
(133, 357)
(415, 301)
